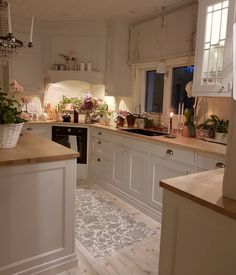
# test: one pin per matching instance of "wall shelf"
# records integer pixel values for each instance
(90, 77)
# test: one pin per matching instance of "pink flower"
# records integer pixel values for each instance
(25, 99)
(16, 87)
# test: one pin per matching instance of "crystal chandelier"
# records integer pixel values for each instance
(8, 43)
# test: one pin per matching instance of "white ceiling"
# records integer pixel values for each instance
(54, 10)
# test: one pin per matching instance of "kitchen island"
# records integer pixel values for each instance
(198, 226)
(37, 185)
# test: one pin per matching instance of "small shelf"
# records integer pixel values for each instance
(90, 77)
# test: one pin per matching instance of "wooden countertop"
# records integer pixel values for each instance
(204, 188)
(34, 149)
(188, 143)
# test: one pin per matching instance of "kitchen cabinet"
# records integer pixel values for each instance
(132, 168)
(137, 172)
(119, 166)
(101, 155)
(117, 70)
(205, 163)
(213, 58)
(26, 65)
(41, 130)
(162, 169)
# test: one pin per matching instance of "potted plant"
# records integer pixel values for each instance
(131, 119)
(217, 128)
(11, 121)
(189, 129)
(120, 118)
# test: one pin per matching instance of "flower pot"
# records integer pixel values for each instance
(9, 135)
(130, 120)
(185, 132)
(221, 137)
(120, 122)
(140, 123)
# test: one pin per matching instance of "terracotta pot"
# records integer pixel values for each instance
(185, 132)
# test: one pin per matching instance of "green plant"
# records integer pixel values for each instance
(10, 109)
(190, 122)
(215, 124)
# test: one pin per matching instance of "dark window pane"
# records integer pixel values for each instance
(180, 77)
(154, 92)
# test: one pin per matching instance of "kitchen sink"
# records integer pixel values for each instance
(145, 132)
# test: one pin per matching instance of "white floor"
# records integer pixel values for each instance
(139, 259)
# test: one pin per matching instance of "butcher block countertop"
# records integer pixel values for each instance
(35, 149)
(187, 143)
(204, 188)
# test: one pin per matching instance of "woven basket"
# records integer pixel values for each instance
(9, 135)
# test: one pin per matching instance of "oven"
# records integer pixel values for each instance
(72, 137)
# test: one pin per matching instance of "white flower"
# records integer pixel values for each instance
(189, 88)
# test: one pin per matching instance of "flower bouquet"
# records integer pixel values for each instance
(11, 121)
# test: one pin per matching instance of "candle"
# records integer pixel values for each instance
(31, 30)
(182, 109)
(171, 115)
(179, 112)
(9, 18)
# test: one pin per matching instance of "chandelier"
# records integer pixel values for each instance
(8, 43)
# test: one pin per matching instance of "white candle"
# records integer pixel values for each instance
(9, 18)
(31, 30)
(179, 113)
(182, 109)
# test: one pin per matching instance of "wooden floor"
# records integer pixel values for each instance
(139, 259)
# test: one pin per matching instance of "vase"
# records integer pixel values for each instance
(221, 137)
(88, 119)
(9, 135)
(185, 132)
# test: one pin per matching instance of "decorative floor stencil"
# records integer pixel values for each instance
(102, 227)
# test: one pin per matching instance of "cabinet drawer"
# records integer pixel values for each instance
(208, 163)
(102, 148)
(179, 155)
(43, 131)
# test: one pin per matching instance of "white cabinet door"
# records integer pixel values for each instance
(162, 169)
(137, 174)
(117, 71)
(119, 166)
(26, 65)
(213, 58)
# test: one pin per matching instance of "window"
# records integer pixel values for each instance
(154, 92)
(181, 76)
(214, 44)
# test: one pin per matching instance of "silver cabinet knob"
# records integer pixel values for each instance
(170, 152)
(220, 165)
(99, 142)
(99, 133)
(29, 129)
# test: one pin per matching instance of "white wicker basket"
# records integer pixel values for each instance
(9, 135)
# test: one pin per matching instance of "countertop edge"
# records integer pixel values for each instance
(219, 204)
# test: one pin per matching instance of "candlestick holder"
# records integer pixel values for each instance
(170, 135)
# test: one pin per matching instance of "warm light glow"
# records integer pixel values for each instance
(171, 114)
